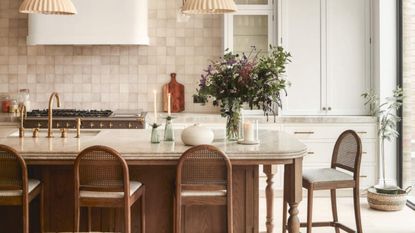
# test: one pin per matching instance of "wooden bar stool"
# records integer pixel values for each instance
(204, 177)
(15, 187)
(102, 180)
(347, 156)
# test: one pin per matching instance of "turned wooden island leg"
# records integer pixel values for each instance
(293, 192)
(270, 171)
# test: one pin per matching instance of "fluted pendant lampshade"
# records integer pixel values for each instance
(208, 6)
(52, 7)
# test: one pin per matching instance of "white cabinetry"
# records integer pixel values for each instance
(330, 44)
(253, 24)
(320, 139)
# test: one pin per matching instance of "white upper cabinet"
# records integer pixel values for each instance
(330, 44)
(348, 55)
(301, 36)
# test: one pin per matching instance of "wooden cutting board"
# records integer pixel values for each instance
(176, 90)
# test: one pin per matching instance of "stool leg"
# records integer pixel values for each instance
(127, 219)
(76, 216)
(310, 210)
(143, 212)
(25, 207)
(284, 214)
(178, 215)
(334, 208)
(41, 209)
(89, 219)
(356, 200)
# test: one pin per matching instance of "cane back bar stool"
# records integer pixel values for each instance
(102, 180)
(15, 187)
(347, 155)
(204, 177)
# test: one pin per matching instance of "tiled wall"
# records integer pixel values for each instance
(115, 77)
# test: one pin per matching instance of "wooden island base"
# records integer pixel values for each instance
(159, 181)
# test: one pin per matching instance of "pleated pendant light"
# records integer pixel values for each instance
(51, 7)
(208, 6)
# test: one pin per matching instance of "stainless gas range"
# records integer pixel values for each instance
(90, 119)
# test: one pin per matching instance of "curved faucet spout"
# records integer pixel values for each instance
(50, 111)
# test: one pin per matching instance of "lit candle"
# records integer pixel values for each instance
(155, 105)
(248, 132)
(169, 104)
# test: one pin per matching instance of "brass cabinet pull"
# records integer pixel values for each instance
(362, 132)
(364, 152)
(299, 132)
(363, 176)
(310, 153)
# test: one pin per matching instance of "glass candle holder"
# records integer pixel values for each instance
(250, 133)
(154, 133)
(168, 130)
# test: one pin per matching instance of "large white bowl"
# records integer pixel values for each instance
(197, 135)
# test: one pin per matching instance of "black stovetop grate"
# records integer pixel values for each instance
(70, 113)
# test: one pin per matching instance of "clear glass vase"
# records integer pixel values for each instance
(155, 134)
(232, 125)
(168, 130)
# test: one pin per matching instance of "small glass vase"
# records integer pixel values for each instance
(232, 126)
(168, 130)
(155, 134)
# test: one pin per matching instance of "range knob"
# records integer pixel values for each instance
(39, 125)
(101, 125)
(57, 125)
(67, 124)
(129, 125)
(91, 124)
(110, 125)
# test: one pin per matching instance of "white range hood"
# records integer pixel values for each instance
(98, 22)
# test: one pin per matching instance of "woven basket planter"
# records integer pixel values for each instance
(386, 202)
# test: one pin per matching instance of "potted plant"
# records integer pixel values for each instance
(236, 79)
(386, 113)
(384, 196)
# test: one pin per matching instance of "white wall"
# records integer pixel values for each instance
(384, 65)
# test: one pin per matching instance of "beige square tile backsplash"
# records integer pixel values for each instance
(114, 77)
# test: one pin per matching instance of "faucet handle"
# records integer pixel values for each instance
(78, 127)
(35, 132)
(63, 132)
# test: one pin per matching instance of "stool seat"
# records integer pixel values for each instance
(325, 175)
(216, 193)
(31, 183)
(13, 183)
(134, 186)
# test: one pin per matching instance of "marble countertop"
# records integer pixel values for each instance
(212, 118)
(135, 145)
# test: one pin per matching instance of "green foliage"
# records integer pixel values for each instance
(386, 112)
(235, 79)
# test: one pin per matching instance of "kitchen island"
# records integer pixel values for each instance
(51, 161)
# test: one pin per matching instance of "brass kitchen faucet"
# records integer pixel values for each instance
(50, 115)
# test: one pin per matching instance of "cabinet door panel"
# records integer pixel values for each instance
(301, 35)
(248, 31)
(348, 55)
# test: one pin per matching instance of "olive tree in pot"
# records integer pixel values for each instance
(386, 112)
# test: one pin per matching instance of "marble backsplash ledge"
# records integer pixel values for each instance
(114, 77)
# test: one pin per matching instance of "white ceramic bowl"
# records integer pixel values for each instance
(197, 135)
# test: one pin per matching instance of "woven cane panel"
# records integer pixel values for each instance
(347, 152)
(10, 170)
(100, 169)
(204, 167)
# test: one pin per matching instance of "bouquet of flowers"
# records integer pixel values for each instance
(236, 79)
